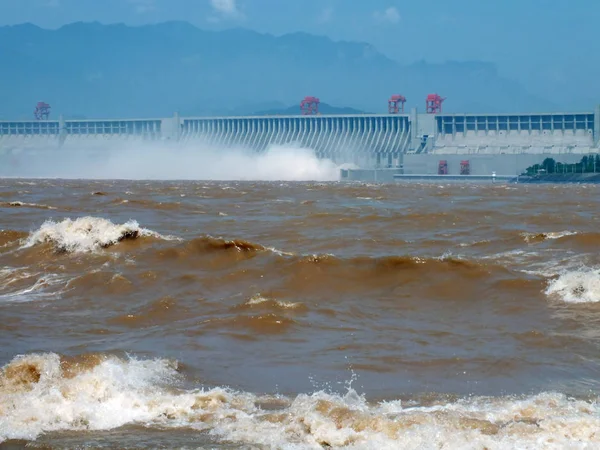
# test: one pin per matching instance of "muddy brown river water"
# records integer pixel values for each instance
(298, 315)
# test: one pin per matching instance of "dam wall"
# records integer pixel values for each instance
(371, 140)
(378, 139)
(533, 133)
(492, 142)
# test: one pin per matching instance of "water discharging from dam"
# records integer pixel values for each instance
(162, 161)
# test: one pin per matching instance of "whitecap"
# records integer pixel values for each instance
(87, 234)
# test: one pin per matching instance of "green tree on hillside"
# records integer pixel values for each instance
(588, 164)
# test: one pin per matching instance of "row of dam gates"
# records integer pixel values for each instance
(370, 140)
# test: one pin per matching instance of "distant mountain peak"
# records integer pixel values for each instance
(118, 70)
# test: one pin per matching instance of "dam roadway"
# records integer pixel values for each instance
(505, 143)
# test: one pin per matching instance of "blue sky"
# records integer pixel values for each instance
(550, 46)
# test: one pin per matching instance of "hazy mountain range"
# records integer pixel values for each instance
(95, 70)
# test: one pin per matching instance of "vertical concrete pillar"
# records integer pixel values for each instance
(62, 130)
(414, 129)
(597, 126)
(177, 127)
(400, 161)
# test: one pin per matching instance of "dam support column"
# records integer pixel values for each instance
(597, 126)
(400, 162)
(414, 127)
(177, 127)
(170, 128)
(62, 130)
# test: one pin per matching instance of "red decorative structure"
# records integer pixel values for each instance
(396, 104)
(433, 103)
(465, 167)
(42, 111)
(443, 167)
(309, 106)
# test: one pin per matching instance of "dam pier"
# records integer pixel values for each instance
(410, 143)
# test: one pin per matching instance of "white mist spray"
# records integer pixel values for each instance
(136, 160)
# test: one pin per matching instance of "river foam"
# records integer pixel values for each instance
(41, 393)
(576, 286)
(87, 234)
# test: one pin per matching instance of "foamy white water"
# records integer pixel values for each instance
(576, 286)
(87, 234)
(40, 393)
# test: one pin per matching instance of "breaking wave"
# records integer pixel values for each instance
(576, 286)
(103, 392)
(87, 234)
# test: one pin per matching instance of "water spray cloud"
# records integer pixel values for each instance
(164, 161)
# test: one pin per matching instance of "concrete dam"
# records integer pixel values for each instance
(415, 142)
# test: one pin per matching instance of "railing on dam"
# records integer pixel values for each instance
(150, 128)
(327, 135)
(30, 128)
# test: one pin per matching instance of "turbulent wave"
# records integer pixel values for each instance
(263, 301)
(209, 243)
(27, 205)
(576, 286)
(207, 246)
(90, 234)
(86, 234)
(102, 392)
(20, 285)
(536, 237)
(316, 267)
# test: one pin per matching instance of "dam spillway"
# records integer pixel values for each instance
(413, 140)
(380, 139)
